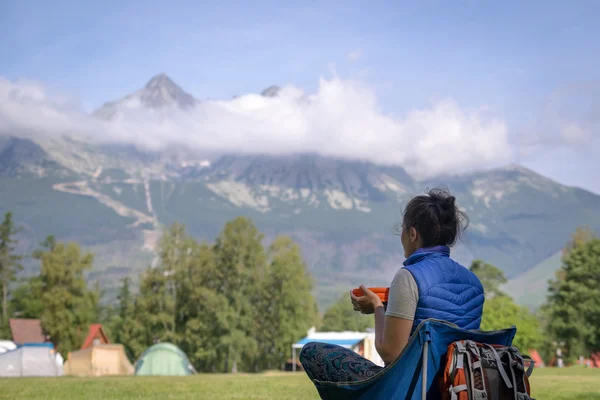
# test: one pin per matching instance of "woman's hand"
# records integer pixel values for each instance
(367, 303)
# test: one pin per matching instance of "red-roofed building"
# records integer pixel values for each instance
(95, 336)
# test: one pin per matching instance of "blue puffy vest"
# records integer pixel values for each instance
(447, 290)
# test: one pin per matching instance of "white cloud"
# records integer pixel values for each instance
(341, 119)
(28, 108)
(574, 132)
(570, 117)
(355, 55)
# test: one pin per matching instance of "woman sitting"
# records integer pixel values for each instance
(430, 285)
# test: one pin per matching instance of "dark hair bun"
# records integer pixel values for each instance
(436, 217)
(448, 209)
(450, 202)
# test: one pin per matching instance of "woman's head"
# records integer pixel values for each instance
(430, 220)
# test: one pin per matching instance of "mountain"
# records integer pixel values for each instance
(115, 199)
(4, 140)
(24, 158)
(159, 93)
(271, 91)
(530, 288)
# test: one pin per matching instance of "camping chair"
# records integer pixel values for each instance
(415, 373)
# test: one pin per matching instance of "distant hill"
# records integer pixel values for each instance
(115, 199)
(530, 289)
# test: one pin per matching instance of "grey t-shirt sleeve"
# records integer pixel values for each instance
(403, 297)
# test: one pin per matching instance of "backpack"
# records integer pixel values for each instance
(477, 371)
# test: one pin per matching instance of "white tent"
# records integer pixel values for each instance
(37, 359)
(59, 359)
(362, 343)
(370, 352)
(7, 345)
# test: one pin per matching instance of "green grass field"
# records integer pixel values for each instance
(547, 384)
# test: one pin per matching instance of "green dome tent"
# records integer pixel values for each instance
(164, 359)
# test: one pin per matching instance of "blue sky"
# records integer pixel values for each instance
(515, 58)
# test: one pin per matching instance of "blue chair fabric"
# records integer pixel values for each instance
(416, 372)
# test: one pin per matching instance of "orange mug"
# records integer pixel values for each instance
(382, 292)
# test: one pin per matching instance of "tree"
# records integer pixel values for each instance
(491, 278)
(573, 301)
(204, 317)
(582, 235)
(500, 312)
(123, 326)
(155, 307)
(68, 305)
(285, 303)
(178, 302)
(10, 262)
(26, 299)
(340, 316)
(547, 346)
(240, 263)
(208, 330)
(125, 298)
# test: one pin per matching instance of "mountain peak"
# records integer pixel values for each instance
(160, 80)
(161, 91)
(271, 91)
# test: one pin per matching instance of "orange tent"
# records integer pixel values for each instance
(535, 356)
(98, 360)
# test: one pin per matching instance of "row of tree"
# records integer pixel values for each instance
(236, 305)
(229, 305)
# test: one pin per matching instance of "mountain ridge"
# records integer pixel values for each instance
(341, 212)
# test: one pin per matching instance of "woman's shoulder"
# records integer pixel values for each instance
(404, 284)
(404, 278)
